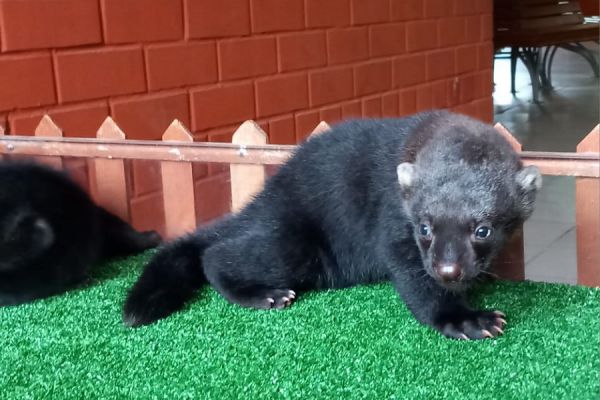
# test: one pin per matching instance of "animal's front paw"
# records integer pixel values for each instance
(266, 299)
(471, 324)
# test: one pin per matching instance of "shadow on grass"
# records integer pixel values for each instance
(117, 268)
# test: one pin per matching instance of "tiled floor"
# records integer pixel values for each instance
(564, 117)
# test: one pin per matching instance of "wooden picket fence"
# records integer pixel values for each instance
(248, 156)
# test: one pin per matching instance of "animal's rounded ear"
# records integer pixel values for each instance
(42, 233)
(406, 175)
(529, 179)
(29, 232)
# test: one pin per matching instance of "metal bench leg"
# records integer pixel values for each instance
(514, 55)
(530, 56)
(548, 64)
(545, 70)
(584, 52)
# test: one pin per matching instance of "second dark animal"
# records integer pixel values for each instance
(52, 234)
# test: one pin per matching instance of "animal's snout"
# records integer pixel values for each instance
(448, 272)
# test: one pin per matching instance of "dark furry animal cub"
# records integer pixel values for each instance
(51, 233)
(426, 201)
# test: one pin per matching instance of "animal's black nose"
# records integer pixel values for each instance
(448, 272)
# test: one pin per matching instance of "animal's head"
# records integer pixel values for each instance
(465, 195)
(24, 235)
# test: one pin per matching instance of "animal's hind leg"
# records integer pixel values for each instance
(120, 239)
(258, 271)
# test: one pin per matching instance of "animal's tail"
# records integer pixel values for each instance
(168, 281)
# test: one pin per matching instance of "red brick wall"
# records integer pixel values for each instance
(214, 63)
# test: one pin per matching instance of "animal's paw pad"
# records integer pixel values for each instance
(473, 325)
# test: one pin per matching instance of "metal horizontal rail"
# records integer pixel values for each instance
(550, 163)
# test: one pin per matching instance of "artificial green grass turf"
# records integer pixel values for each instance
(359, 343)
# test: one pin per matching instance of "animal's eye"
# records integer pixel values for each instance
(425, 231)
(483, 232)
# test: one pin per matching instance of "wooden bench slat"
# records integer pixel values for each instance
(550, 22)
(529, 3)
(524, 26)
(539, 23)
(547, 37)
(510, 13)
(558, 9)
